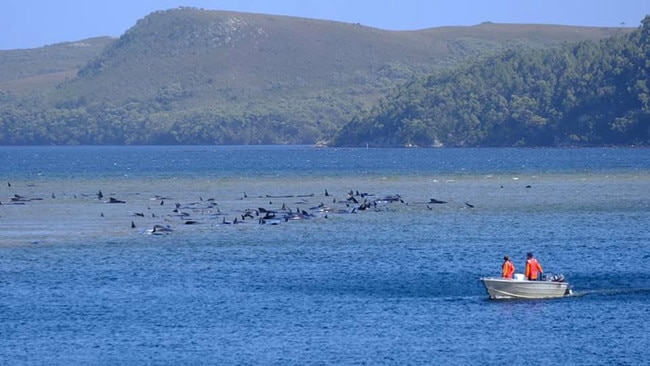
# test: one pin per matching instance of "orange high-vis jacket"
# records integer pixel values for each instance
(532, 269)
(508, 269)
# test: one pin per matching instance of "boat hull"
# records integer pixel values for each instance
(503, 288)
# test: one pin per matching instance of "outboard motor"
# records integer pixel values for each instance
(557, 278)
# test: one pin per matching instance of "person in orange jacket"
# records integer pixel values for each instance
(533, 268)
(508, 268)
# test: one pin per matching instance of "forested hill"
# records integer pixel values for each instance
(192, 76)
(590, 93)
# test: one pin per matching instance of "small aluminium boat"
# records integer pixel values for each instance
(520, 288)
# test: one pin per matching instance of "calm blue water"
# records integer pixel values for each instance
(395, 284)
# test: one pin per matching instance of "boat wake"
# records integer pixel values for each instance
(611, 291)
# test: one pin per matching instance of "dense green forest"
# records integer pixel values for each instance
(191, 76)
(590, 93)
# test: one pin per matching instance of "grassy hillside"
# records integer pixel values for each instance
(223, 55)
(33, 69)
(194, 76)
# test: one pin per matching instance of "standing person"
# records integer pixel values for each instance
(533, 268)
(508, 268)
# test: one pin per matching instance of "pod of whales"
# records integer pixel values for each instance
(164, 220)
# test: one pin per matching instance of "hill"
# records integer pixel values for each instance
(192, 76)
(589, 93)
(34, 69)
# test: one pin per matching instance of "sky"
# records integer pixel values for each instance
(36, 23)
